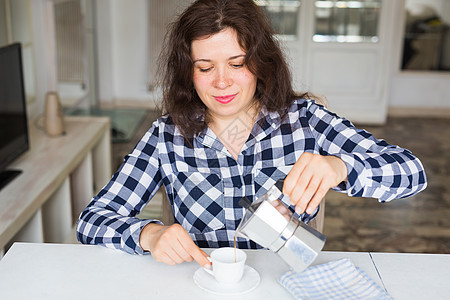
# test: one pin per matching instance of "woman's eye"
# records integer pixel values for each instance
(204, 70)
(237, 66)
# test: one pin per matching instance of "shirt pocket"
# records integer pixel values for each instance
(199, 201)
(266, 177)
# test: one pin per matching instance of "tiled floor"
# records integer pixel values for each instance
(418, 224)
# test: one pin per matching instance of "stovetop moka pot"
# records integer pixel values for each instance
(270, 223)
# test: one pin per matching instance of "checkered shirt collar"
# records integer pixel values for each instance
(265, 124)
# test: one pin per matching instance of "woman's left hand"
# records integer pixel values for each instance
(310, 179)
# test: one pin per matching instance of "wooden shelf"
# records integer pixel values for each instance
(60, 175)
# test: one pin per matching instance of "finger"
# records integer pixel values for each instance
(301, 186)
(307, 195)
(191, 248)
(167, 244)
(181, 251)
(174, 256)
(278, 205)
(199, 255)
(291, 179)
(165, 258)
(315, 201)
(282, 209)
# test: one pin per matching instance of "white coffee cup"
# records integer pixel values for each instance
(224, 267)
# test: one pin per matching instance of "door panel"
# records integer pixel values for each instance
(338, 71)
(352, 71)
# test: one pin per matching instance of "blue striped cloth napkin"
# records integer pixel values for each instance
(339, 279)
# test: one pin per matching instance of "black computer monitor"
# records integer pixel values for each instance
(13, 111)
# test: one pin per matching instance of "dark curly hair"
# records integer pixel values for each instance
(263, 58)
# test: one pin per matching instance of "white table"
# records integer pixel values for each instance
(414, 276)
(62, 271)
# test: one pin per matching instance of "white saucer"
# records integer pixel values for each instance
(207, 282)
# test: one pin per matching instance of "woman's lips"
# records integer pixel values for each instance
(225, 99)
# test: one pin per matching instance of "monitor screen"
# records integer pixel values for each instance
(13, 112)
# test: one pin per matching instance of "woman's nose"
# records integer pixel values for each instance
(223, 79)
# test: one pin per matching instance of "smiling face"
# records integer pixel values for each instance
(221, 79)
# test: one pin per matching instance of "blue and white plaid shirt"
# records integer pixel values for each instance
(204, 182)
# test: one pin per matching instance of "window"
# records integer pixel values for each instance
(347, 21)
(283, 15)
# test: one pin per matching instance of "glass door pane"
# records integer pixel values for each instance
(347, 21)
(283, 15)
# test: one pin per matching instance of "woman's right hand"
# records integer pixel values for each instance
(171, 245)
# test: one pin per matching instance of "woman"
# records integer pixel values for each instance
(233, 127)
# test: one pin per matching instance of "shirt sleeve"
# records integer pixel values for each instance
(375, 168)
(110, 218)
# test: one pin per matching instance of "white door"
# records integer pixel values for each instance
(349, 69)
